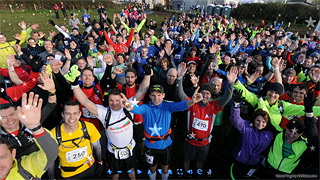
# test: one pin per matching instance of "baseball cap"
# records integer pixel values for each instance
(157, 87)
(280, 47)
(240, 64)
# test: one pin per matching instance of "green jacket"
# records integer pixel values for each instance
(275, 156)
(274, 112)
(40, 41)
(138, 28)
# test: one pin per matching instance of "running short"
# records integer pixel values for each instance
(117, 164)
(155, 155)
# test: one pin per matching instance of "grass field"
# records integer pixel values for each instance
(9, 22)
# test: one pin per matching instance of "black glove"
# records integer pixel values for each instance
(237, 96)
(147, 69)
(36, 64)
(87, 25)
(309, 102)
(99, 170)
(109, 21)
(75, 82)
(260, 90)
(51, 22)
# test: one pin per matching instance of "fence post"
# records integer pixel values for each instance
(35, 7)
(11, 8)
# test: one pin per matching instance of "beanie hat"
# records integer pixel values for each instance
(277, 87)
(206, 86)
(121, 54)
(296, 123)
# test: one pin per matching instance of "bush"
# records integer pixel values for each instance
(44, 4)
(159, 7)
(270, 12)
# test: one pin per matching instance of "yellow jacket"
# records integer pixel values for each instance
(7, 48)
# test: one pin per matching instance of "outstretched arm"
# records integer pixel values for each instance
(83, 99)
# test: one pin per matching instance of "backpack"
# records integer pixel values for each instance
(108, 115)
(84, 129)
(24, 173)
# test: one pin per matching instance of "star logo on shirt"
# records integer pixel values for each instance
(207, 116)
(194, 114)
(193, 135)
(251, 125)
(15, 98)
(33, 79)
(30, 139)
(295, 130)
(2, 89)
(313, 148)
(155, 130)
(24, 84)
(203, 50)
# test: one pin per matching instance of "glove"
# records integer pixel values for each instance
(75, 82)
(87, 25)
(51, 22)
(36, 64)
(99, 170)
(93, 22)
(237, 96)
(309, 102)
(147, 69)
(109, 21)
(73, 74)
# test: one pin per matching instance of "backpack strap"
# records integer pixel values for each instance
(107, 118)
(84, 129)
(23, 172)
(127, 113)
(58, 133)
(124, 89)
(97, 92)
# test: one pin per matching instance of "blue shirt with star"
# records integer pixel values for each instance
(157, 120)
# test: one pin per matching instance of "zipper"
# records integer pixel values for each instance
(254, 149)
(280, 163)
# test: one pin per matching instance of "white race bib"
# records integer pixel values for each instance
(77, 154)
(177, 56)
(88, 114)
(199, 124)
(122, 153)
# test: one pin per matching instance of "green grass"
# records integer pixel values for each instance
(9, 21)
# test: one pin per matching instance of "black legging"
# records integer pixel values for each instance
(64, 13)
(57, 14)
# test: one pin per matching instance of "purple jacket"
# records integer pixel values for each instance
(251, 143)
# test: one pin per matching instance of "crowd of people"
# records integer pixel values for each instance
(76, 104)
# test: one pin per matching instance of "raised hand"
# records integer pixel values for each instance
(194, 79)
(17, 36)
(51, 22)
(161, 53)
(232, 37)
(90, 61)
(30, 111)
(117, 70)
(249, 59)
(17, 48)
(169, 51)
(52, 33)
(34, 26)
(10, 60)
(237, 94)
(107, 58)
(214, 48)
(275, 62)
(309, 102)
(232, 74)
(42, 34)
(124, 102)
(197, 97)
(67, 53)
(23, 25)
(182, 69)
(48, 84)
(55, 66)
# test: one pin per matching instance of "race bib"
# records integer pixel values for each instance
(77, 154)
(149, 159)
(66, 43)
(88, 114)
(177, 56)
(200, 124)
(122, 153)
